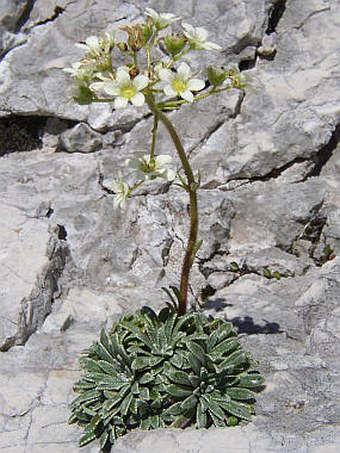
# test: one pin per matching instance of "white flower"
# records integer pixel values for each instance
(148, 168)
(180, 83)
(122, 191)
(161, 20)
(95, 47)
(127, 89)
(198, 38)
(80, 71)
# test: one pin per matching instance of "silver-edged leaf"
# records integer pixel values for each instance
(196, 350)
(240, 394)
(251, 380)
(177, 391)
(237, 409)
(86, 438)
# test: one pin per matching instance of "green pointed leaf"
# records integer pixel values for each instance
(86, 438)
(179, 377)
(137, 333)
(198, 336)
(154, 361)
(195, 364)
(196, 350)
(144, 393)
(103, 440)
(239, 410)
(150, 316)
(109, 404)
(146, 378)
(95, 421)
(87, 397)
(134, 406)
(215, 409)
(124, 407)
(145, 424)
(189, 403)
(155, 421)
(251, 380)
(217, 421)
(224, 331)
(112, 384)
(234, 360)
(201, 417)
(109, 368)
(140, 363)
(83, 384)
(177, 391)
(90, 365)
(240, 394)
(177, 360)
(175, 409)
(224, 347)
(169, 326)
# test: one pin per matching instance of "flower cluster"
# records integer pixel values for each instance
(144, 79)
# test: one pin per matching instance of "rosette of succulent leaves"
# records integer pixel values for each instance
(174, 368)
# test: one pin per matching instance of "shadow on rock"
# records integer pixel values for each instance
(248, 326)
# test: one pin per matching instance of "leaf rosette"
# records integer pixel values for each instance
(154, 371)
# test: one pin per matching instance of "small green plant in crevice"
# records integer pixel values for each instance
(268, 273)
(154, 371)
(327, 255)
(176, 368)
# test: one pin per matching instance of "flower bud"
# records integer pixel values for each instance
(122, 46)
(216, 75)
(146, 33)
(135, 39)
(174, 44)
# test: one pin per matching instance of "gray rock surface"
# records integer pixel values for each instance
(270, 218)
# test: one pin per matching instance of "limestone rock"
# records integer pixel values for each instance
(81, 138)
(269, 200)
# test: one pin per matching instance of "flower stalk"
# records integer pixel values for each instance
(191, 187)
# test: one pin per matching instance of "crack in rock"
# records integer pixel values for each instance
(36, 307)
(24, 16)
(325, 153)
(275, 15)
(58, 10)
(21, 133)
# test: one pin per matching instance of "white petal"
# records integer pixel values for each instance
(168, 16)
(195, 85)
(111, 88)
(122, 75)
(82, 46)
(211, 46)
(141, 81)
(138, 99)
(98, 86)
(201, 34)
(187, 95)
(166, 75)
(169, 91)
(189, 30)
(120, 103)
(162, 160)
(170, 175)
(92, 41)
(152, 13)
(184, 71)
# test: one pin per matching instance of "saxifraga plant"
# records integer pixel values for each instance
(168, 370)
(176, 368)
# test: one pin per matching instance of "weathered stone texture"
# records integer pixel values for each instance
(270, 217)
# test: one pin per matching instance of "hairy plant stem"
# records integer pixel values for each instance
(191, 187)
